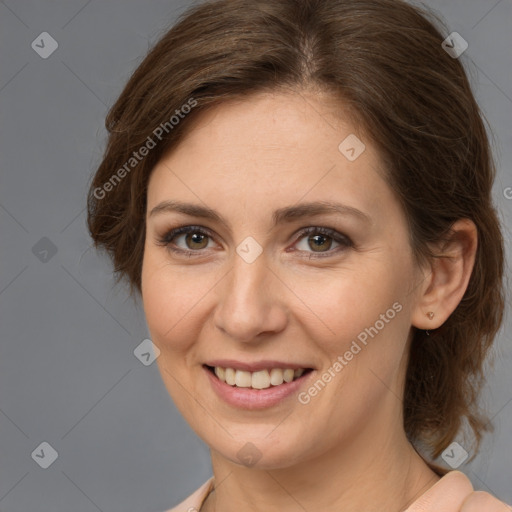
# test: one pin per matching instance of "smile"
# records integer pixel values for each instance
(261, 379)
(239, 388)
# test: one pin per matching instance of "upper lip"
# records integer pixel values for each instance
(255, 366)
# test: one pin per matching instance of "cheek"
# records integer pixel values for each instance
(164, 296)
(361, 329)
(344, 304)
(174, 301)
(171, 306)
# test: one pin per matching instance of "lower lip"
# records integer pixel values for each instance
(249, 398)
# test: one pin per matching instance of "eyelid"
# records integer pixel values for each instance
(165, 239)
(334, 234)
(344, 240)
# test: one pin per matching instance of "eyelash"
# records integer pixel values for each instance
(344, 240)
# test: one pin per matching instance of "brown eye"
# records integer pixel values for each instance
(319, 242)
(195, 240)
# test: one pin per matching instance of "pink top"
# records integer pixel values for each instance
(450, 490)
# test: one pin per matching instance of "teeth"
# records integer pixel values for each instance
(230, 376)
(276, 376)
(243, 379)
(221, 373)
(288, 375)
(261, 379)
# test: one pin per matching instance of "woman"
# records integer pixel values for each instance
(300, 191)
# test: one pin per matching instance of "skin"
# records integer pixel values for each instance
(455, 493)
(346, 449)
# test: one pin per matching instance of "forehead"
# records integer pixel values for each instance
(270, 148)
(272, 122)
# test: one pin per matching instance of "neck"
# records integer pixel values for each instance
(353, 476)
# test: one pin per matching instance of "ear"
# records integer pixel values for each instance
(447, 282)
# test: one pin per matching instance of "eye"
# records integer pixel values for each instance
(320, 238)
(196, 238)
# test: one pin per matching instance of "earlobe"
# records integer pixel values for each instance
(448, 281)
(430, 315)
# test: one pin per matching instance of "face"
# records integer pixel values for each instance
(329, 291)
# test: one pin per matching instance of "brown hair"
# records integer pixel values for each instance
(383, 60)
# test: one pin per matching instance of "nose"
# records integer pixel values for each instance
(251, 301)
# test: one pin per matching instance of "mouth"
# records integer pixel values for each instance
(258, 380)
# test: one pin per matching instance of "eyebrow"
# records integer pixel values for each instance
(281, 215)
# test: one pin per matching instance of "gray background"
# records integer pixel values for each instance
(68, 374)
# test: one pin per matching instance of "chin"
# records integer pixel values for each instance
(260, 452)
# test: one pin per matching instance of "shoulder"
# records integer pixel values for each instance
(454, 493)
(195, 500)
(447, 493)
